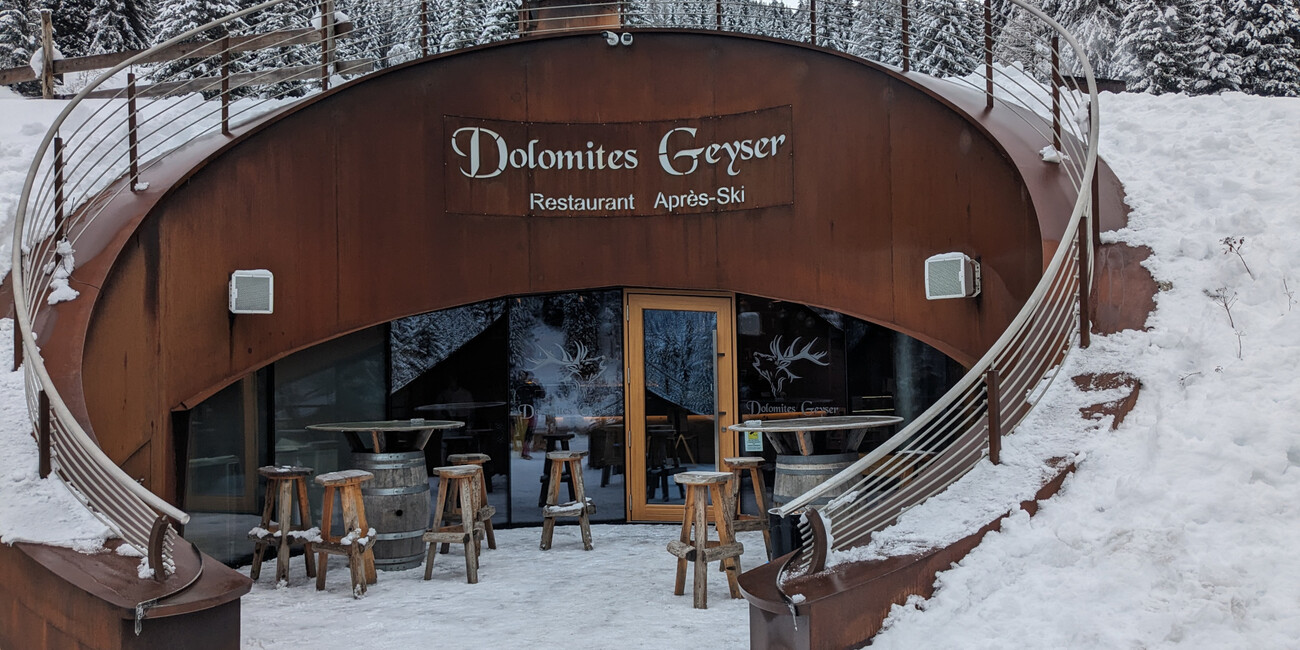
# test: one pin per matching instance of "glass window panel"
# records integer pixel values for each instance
(566, 389)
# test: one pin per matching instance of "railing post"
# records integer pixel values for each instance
(424, 26)
(907, 38)
(812, 22)
(18, 340)
(995, 415)
(717, 15)
(157, 536)
(225, 85)
(58, 188)
(1096, 197)
(43, 434)
(133, 145)
(1056, 92)
(47, 54)
(819, 546)
(1085, 288)
(988, 54)
(326, 41)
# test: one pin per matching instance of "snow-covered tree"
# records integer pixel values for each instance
(1214, 68)
(460, 23)
(876, 25)
(1153, 46)
(835, 24)
(18, 39)
(948, 38)
(176, 17)
(499, 20)
(71, 22)
(118, 25)
(1265, 41)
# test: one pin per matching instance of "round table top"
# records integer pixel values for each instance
(415, 424)
(829, 423)
(458, 406)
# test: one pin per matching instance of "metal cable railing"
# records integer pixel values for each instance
(214, 80)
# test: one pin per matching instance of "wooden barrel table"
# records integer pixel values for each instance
(397, 506)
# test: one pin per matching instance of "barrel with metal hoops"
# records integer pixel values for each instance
(397, 506)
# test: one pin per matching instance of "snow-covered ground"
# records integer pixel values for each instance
(1177, 530)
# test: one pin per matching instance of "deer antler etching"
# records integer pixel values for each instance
(775, 367)
(580, 365)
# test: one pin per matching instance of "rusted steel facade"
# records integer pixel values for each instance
(349, 200)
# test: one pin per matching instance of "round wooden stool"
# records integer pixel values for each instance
(485, 511)
(358, 537)
(738, 466)
(282, 483)
(696, 547)
(570, 463)
(461, 483)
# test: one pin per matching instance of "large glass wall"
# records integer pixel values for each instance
(533, 373)
(796, 360)
(526, 375)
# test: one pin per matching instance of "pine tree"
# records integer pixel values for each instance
(1266, 43)
(948, 38)
(290, 14)
(835, 24)
(460, 23)
(118, 25)
(499, 20)
(71, 22)
(1151, 44)
(176, 17)
(1214, 68)
(18, 40)
(876, 25)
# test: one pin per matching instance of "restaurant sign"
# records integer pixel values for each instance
(689, 166)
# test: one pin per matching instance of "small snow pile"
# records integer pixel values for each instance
(1051, 155)
(1179, 528)
(37, 61)
(355, 535)
(59, 272)
(144, 570)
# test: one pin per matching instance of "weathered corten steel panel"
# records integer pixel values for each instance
(345, 200)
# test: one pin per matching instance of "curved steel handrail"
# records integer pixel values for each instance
(101, 162)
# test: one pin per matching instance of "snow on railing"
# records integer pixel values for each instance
(215, 78)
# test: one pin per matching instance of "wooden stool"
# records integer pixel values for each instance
(738, 466)
(698, 548)
(485, 511)
(281, 484)
(570, 462)
(465, 482)
(355, 544)
(554, 442)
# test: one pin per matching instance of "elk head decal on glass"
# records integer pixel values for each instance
(775, 367)
(581, 366)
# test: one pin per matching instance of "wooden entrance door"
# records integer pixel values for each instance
(681, 395)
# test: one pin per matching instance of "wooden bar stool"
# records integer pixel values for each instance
(281, 485)
(743, 522)
(463, 483)
(569, 462)
(554, 442)
(696, 547)
(356, 542)
(485, 511)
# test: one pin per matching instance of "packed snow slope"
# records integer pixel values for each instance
(1177, 530)
(1180, 528)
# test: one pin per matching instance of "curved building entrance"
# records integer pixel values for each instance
(645, 381)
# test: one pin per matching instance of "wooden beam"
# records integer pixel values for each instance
(187, 50)
(243, 79)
